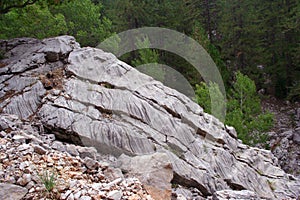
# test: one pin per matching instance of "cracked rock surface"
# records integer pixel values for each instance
(88, 97)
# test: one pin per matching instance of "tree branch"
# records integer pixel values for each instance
(4, 10)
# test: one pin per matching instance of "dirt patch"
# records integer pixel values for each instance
(53, 79)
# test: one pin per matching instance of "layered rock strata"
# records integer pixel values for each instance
(88, 97)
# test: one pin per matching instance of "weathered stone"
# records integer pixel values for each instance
(19, 138)
(26, 178)
(230, 194)
(154, 171)
(90, 163)
(183, 193)
(71, 149)
(70, 197)
(99, 101)
(113, 173)
(296, 136)
(38, 149)
(58, 146)
(11, 192)
(115, 195)
(87, 152)
(85, 198)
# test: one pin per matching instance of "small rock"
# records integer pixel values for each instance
(296, 137)
(23, 147)
(30, 185)
(115, 195)
(26, 178)
(58, 146)
(85, 198)
(38, 149)
(113, 173)
(2, 134)
(77, 195)
(87, 152)
(90, 163)
(19, 138)
(66, 194)
(71, 149)
(70, 197)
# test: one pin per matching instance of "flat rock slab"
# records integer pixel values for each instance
(154, 171)
(12, 192)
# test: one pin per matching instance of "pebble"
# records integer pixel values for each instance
(85, 198)
(115, 195)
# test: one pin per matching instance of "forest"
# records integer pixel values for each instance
(255, 44)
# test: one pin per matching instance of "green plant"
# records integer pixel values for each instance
(294, 94)
(243, 109)
(205, 93)
(49, 180)
(245, 114)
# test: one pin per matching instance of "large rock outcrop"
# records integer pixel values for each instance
(89, 97)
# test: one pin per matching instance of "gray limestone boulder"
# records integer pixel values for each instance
(232, 195)
(88, 97)
(154, 171)
(12, 192)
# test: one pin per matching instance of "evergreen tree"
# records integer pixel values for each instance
(243, 108)
(32, 21)
(84, 21)
(150, 57)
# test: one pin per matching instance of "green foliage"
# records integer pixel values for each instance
(294, 94)
(8, 5)
(267, 33)
(204, 95)
(147, 56)
(32, 21)
(244, 112)
(84, 21)
(80, 18)
(243, 109)
(49, 180)
(201, 37)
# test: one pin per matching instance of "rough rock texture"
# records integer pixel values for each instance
(285, 138)
(229, 194)
(154, 171)
(27, 156)
(89, 97)
(11, 192)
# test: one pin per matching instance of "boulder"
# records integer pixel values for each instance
(154, 171)
(88, 97)
(229, 194)
(12, 192)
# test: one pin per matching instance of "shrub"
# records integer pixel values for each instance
(243, 109)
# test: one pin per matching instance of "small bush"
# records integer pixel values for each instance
(243, 109)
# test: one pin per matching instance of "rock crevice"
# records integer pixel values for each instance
(97, 100)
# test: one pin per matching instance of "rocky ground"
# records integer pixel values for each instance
(285, 136)
(27, 157)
